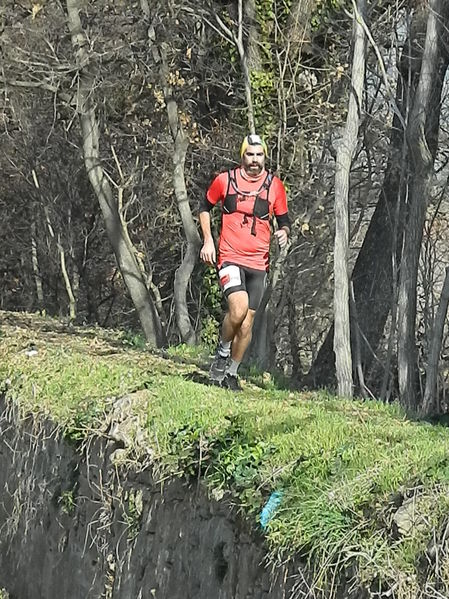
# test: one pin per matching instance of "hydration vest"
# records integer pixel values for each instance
(261, 208)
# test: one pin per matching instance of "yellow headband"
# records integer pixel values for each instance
(253, 140)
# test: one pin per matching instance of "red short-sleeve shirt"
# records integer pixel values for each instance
(237, 244)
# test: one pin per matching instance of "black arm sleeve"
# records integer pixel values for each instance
(283, 220)
(205, 205)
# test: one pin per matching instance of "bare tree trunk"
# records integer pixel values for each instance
(237, 40)
(245, 69)
(298, 27)
(355, 336)
(124, 253)
(253, 45)
(184, 271)
(433, 69)
(36, 269)
(75, 274)
(62, 262)
(429, 401)
(380, 255)
(345, 153)
(258, 350)
(61, 252)
(293, 335)
(68, 285)
(262, 339)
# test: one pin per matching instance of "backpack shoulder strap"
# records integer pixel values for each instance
(267, 182)
(232, 180)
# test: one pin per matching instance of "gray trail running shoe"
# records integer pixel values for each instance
(231, 381)
(218, 368)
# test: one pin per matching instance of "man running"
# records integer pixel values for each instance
(249, 197)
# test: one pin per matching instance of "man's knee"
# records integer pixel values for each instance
(247, 324)
(246, 327)
(237, 314)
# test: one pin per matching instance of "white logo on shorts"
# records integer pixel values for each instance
(230, 276)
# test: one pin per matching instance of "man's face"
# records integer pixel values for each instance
(253, 160)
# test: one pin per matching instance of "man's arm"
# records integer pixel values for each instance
(281, 214)
(283, 231)
(207, 253)
(213, 195)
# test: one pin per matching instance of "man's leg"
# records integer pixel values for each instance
(234, 317)
(240, 342)
(239, 345)
(243, 336)
(255, 282)
(233, 320)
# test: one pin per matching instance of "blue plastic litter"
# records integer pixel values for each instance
(270, 508)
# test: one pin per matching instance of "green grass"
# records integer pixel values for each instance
(345, 467)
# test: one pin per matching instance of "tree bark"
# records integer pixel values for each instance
(184, 271)
(245, 69)
(295, 350)
(124, 253)
(433, 70)
(253, 45)
(35, 263)
(345, 154)
(298, 27)
(430, 394)
(260, 349)
(62, 262)
(68, 285)
(237, 40)
(379, 258)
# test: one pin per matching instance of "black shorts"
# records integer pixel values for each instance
(241, 278)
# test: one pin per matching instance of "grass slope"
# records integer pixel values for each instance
(364, 490)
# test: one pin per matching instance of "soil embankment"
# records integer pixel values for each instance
(74, 526)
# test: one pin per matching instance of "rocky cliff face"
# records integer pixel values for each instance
(76, 526)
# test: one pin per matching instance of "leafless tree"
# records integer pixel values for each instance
(429, 403)
(185, 269)
(433, 70)
(115, 225)
(345, 152)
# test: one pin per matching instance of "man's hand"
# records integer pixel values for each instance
(208, 254)
(282, 237)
